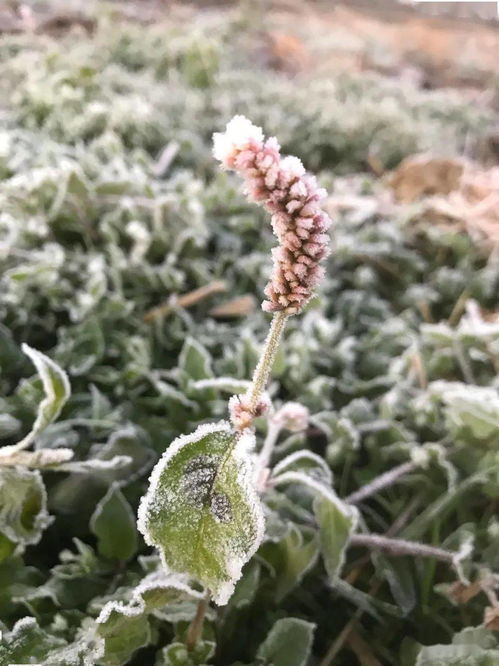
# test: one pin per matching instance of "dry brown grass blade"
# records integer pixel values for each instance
(185, 301)
(238, 307)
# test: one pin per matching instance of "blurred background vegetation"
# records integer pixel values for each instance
(121, 243)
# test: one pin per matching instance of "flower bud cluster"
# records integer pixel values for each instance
(292, 197)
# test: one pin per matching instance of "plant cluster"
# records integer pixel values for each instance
(372, 518)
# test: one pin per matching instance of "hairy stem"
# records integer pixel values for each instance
(380, 482)
(264, 367)
(196, 626)
(399, 547)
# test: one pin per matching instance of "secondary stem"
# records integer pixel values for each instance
(196, 626)
(399, 547)
(380, 482)
(264, 367)
(269, 443)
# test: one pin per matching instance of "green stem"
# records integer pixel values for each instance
(269, 444)
(264, 367)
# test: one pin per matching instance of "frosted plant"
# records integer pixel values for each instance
(292, 197)
(202, 510)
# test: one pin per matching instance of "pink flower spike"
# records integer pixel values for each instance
(283, 187)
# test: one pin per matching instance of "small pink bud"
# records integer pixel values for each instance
(292, 416)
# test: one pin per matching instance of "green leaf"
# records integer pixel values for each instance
(113, 523)
(195, 361)
(306, 462)
(177, 654)
(57, 391)
(398, 574)
(26, 642)
(474, 646)
(291, 558)
(125, 626)
(336, 520)
(202, 510)
(7, 547)
(23, 505)
(288, 643)
(474, 410)
(457, 655)
(86, 649)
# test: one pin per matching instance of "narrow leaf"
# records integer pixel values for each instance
(57, 391)
(291, 558)
(336, 520)
(113, 523)
(307, 462)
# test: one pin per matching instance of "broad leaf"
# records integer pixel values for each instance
(124, 626)
(113, 523)
(288, 643)
(201, 509)
(57, 391)
(23, 505)
(26, 642)
(336, 520)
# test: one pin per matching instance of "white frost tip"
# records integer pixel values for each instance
(239, 133)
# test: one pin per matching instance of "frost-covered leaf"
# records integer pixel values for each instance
(124, 626)
(308, 463)
(27, 642)
(202, 510)
(177, 654)
(113, 523)
(473, 409)
(195, 361)
(336, 520)
(57, 391)
(23, 505)
(86, 649)
(291, 558)
(229, 385)
(288, 643)
(43, 458)
(94, 465)
(471, 647)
